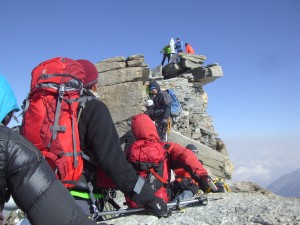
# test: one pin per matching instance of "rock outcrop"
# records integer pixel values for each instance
(122, 87)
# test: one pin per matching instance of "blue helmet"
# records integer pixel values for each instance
(8, 101)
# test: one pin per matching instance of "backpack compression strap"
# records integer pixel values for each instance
(158, 177)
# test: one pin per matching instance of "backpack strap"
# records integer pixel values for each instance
(89, 187)
(158, 177)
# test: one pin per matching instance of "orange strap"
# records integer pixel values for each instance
(158, 177)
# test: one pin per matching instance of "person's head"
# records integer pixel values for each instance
(186, 44)
(143, 128)
(192, 147)
(154, 87)
(91, 78)
(177, 39)
(153, 90)
(8, 102)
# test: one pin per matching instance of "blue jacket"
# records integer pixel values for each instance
(8, 100)
(179, 46)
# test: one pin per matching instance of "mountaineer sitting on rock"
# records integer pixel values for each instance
(154, 159)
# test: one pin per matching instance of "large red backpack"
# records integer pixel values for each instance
(51, 114)
(149, 159)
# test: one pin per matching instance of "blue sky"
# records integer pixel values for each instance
(255, 106)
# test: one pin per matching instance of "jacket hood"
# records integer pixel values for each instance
(143, 128)
(8, 101)
(153, 83)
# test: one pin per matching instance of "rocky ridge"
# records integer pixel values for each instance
(123, 88)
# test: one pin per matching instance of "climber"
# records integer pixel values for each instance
(160, 111)
(189, 49)
(148, 152)
(26, 175)
(166, 54)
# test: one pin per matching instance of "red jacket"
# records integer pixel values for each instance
(189, 49)
(143, 128)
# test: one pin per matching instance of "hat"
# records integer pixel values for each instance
(91, 73)
(192, 147)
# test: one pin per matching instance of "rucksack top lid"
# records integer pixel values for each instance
(49, 71)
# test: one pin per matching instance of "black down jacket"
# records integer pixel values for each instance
(32, 184)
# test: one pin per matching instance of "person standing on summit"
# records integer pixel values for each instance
(166, 54)
(179, 45)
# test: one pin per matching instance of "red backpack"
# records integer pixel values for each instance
(149, 159)
(51, 114)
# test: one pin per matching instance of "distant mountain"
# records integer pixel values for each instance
(288, 185)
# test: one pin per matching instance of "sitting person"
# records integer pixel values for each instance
(154, 160)
(189, 49)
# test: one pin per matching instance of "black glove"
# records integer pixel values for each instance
(202, 182)
(156, 207)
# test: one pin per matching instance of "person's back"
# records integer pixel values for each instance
(189, 49)
(99, 140)
(26, 175)
(166, 54)
(179, 45)
(180, 159)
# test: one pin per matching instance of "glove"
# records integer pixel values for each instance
(203, 182)
(156, 207)
(153, 204)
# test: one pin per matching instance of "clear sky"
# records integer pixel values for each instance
(255, 105)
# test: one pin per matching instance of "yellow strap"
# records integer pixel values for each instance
(169, 125)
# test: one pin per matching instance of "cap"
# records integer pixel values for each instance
(192, 147)
(91, 73)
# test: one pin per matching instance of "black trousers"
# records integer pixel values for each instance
(164, 58)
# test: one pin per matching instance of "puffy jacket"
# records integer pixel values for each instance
(162, 101)
(26, 176)
(32, 184)
(179, 157)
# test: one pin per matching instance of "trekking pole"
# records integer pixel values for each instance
(202, 200)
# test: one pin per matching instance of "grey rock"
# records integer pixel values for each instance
(207, 74)
(245, 207)
(136, 57)
(123, 75)
(198, 59)
(156, 73)
(108, 66)
(171, 70)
